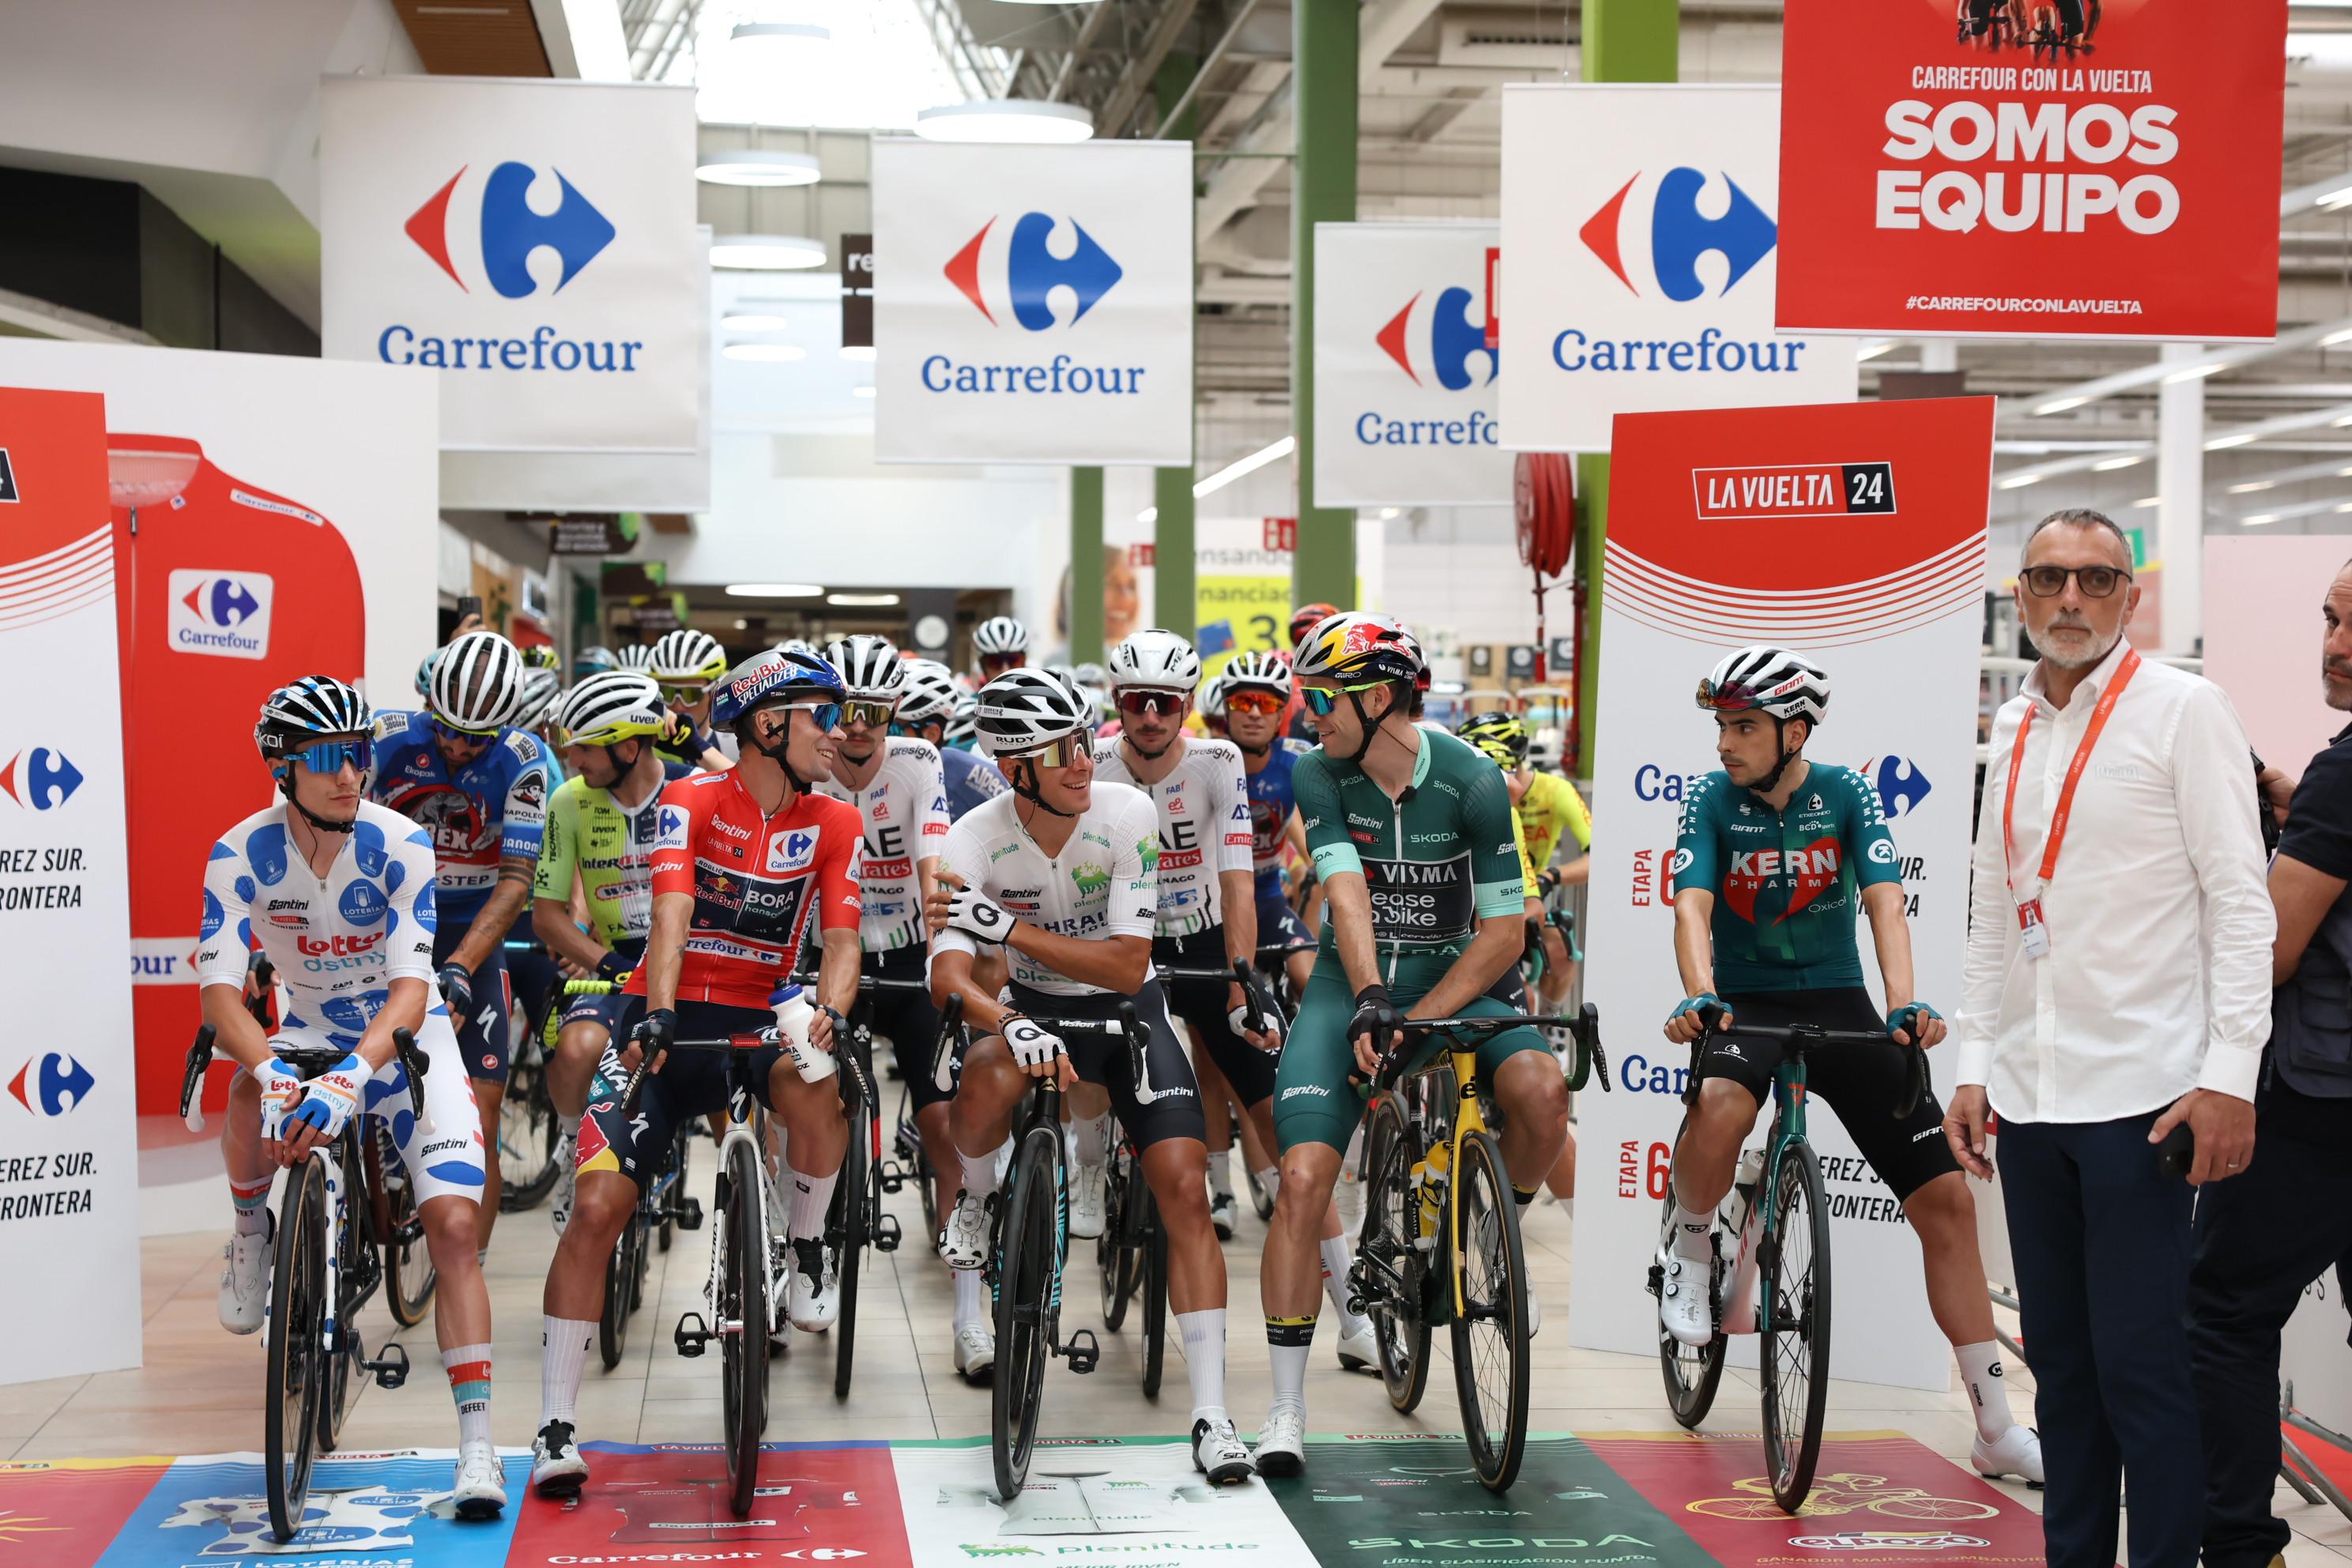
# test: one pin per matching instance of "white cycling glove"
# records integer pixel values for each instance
(974, 913)
(329, 1100)
(1255, 1016)
(1032, 1045)
(281, 1091)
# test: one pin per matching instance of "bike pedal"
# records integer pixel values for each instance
(1657, 1278)
(690, 1214)
(690, 1341)
(391, 1368)
(1082, 1352)
(893, 1178)
(886, 1233)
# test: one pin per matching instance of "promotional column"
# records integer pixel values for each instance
(68, 1148)
(1853, 534)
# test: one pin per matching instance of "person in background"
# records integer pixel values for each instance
(688, 663)
(2261, 1239)
(593, 660)
(1000, 643)
(1294, 722)
(2116, 989)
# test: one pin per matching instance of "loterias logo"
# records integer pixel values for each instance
(1032, 273)
(510, 230)
(1678, 234)
(40, 777)
(222, 614)
(51, 1084)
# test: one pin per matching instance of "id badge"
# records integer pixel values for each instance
(2031, 933)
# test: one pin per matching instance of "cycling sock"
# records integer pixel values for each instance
(1337, 1260)
(1525, 1194)
(1090, 1139)
(811, 1195)
(1691, 1231)
(481, 1257)
(469, 1385)
(1271, 1180)
(1288, 1343)
(1221, 1173)
(563, 1350)
(570, 1125)
(979, 1173)
(1980, 1372)
(1204, 1335)
(967, 1297)
(252, 1205)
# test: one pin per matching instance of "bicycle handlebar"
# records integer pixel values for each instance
(200, 1056)
(1240, 973)
(1584, 1027)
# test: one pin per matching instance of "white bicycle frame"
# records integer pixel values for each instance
(744, 1131)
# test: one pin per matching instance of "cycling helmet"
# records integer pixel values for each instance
(1498, 734)
(637, 656)
(1024, 710)
(313, 708)
(932, 695)
(1303, 619)
(1155, 660)
(1211, 704)
(594, 660)
(775, 676)
(963, 729)
(542, 688)
(607, 709)
(541, 656)
(1255, 668)
(871, 667)
(478, 684)
(999, 635)
(1094, 675)
(1784, 684)
(688, 655)
(1359, 646)
(424, 673)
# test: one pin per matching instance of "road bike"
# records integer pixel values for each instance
(1776, 1281)
(529, 1132)
(331, 1252)
(1441, 1235)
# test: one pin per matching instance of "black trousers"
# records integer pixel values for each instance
(2261, 1238)
(2100, 1235)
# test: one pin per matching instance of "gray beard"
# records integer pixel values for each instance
(2082, 661)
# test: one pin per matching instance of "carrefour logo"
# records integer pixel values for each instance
(224, 614)
(40, 777)
(510, 230)
(1032, 273)
(51, 1084)
(1042, 273)
(1901, 785)
(1679, 234)
(1442, 344)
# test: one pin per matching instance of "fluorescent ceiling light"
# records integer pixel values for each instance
(741, 166)
(765, 354)
(1005, 119)
(862, 353)
(2060, 405)
(773, 590)
(741, 625)
(1249, 465)
(861, 392)
(751, 321)
(2332, 339)
(2112, 464)
(766, 252)
(1148, 515)
(2337, 197)
(766, 40)
(2146, 501)
(2250, 486)
(2018, 482)
(2259, 519)
(2222, 443)
(1388, 512)
(1873, 350)
(861, 601)
(2194, 373)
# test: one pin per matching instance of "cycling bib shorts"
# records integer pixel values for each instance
(910, 1022)
(1204, 1005)
(486, 1037)
(1166, 1103)
(447, 1163)
(691, 1084)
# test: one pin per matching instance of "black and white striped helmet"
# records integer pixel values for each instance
(1154, 660)
(305, 712)
(605, 710)
(637, 658)
(930, 696)
(1772, 680)
(542, 690)
(871, 670)
(478, 684)
(999, 635)
(1024, 710)
(687, 655)
(1257, 667)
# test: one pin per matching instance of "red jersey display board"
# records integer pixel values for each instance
(2031, 168)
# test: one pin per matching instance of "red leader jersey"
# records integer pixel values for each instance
(755, 879)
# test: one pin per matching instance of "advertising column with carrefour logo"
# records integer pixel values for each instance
(68, 1154)
(1639, 251)
(1853, 534)
(1037, 303)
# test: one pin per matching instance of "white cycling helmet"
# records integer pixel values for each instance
(1025, 710)
(1154, 660)
(1766, 678)
(1212, 701)
(871, 670)
(1094, 675)
(999, 635)
(1257, 669)
(542, 688)
(605, 710)
(687, 655)
(932, 695)
(637, 658)
(477, 683)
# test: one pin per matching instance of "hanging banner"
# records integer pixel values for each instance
(1644, 271)
(2044, 171)
(1038, 303)
(1855, 534)
(1405, 384)
(69, 1180)
(535, 241)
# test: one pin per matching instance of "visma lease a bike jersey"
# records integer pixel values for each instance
(611, 848)
(1104, 883)
(904, 807)
(1271, 796)
(1204, 827)
(1785, 883)
(495, 806)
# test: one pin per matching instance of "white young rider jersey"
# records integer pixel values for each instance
(1204, 827)
(905, 809)
(1104, 883)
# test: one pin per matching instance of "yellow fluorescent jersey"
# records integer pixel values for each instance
(1548, 810)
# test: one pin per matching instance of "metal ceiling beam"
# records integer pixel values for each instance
(1208, 63)
(2334, 468)
(1127, 93)
(1095, 17)
(2212, 363)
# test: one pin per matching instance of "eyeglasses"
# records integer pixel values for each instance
(329, 756)
(1153, 702)
(2096, 582)
(873, 715)
(1264, 703)
(457, 736)
(686, 694)
(1058, 753)
(1322, 700)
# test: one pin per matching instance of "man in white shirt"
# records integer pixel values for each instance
(2117, 987)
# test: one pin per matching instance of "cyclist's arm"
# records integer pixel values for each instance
(951, 976)
(1489, 826)
(1121, 963)
(553, 888)
(551, 922)
(839, 907)
(1121, 959)
(1239, 889)
(1695, 940)
(1294, 832)
(405, 1001)
(1497, 946)
(1890, 931)
(665, 948)
(1348, 902)
(1236, 877)
(521, 828)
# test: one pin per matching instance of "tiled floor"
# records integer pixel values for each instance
(200, 1389)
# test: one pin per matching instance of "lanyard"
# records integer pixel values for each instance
(2058, 818)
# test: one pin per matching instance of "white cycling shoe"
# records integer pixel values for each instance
(1685, 1310)
(1534, 1312)
(559, 1203)
(963, 1240)
(557, 1467)
(2017, 1455)
(975, 1353)
(816, 1300)
(481, 1491)
(1219, 1453)
(1224, 1213)
(1282, 1442)
(1360, 1351)
(1090, 1200)
(245, 1281)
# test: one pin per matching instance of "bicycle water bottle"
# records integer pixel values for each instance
(1435, 1173)
(793, 1014)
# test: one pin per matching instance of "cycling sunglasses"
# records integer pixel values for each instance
(1059, 754)
(1264, 703)
(686, 694)
(998, 663)
(1322, 700)
(2096, 582)
(1153, 702)
(458, 735)
(329, 756)
(827, 716)
(873, 715)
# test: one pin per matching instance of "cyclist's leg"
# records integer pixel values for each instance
(484, 1045)
(1735, 1080)
(1560, 970)
(1216, 1095)
(816, 1128)
(980, 1119)
(1316, 1110)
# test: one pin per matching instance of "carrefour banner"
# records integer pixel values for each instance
(2042, 171)
(533, 241)
(1854, 533)
(1035, 303)
(1639, 271)
(1405, 384)
(68, 1148)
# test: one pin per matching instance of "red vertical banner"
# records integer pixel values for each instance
(65, 1514)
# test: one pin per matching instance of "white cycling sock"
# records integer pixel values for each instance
(569, 1124)
(1338, 1258)
(1288, 1343)
(563, 1350)
(251, 1201)
(811, 1195)
(979, 1173)
(1691, 1232)
(968, 1309)
(1221, 1173)
(1270, 1179)
(1204, 1335)
(1090, 1139)
(1980, 1372)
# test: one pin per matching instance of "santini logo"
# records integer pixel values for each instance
(1442, 349)
(224, 614)
(1020, 274)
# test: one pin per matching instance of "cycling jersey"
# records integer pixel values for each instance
(755, 880)
(1104, 883)
(971, 779)
(1204, 827)
(494, 807)
(611, 848)
(904, 807)
(1786, 883)
(1271, 796)
(1549, 808)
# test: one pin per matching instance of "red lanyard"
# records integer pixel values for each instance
(2057, 837)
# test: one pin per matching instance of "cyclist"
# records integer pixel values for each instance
(962, 731)
(1000, 643)
(685, 662)
(1773, 855)
(1062, 875)
(1257, 691)
(1549, 809)
(593, 660)
(601, 828)
(637, 658)
(747, 862)
(1303, 620)
(338, 892)
(1410, 830)
(926, 713)
(479, 786)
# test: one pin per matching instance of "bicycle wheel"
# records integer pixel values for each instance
(1794, 1258)
(1026, 1263)
(353, 1274)
(1117, 1257)
(1490, 1331)
(1692, 1374)
(620, 1294)
(743, 1324)
(854, 1206)
(298, 1301)
(1390, 1262)
(527, 1131)
(1155, 1293)
(409, 1276)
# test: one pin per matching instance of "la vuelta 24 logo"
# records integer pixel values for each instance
(1020, 275)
